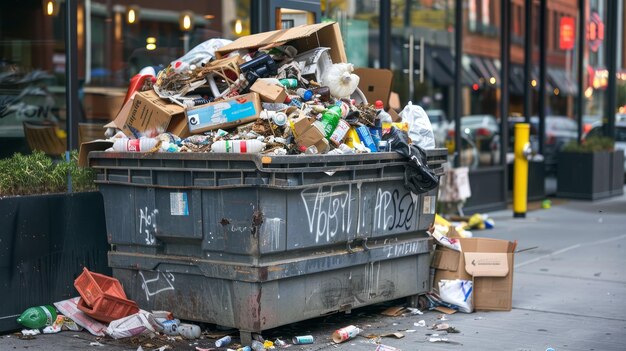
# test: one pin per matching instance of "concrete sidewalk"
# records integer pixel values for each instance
(569, 294)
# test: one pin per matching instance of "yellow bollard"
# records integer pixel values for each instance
(520, 169)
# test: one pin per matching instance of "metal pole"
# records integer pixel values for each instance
(581, 55)
(505, 43)
(384, 42)
(611, 64)
(259, 16)
(71, 78)
(543, 12)
(458, 100)
(528, 57)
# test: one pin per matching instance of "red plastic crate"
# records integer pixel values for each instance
(93, 286)
(109, 308)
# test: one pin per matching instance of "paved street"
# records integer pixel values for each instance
(569, 294)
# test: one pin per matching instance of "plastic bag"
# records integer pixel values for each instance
(420, 129)
(340, 79)
(200, 55)
(458, 293)
(133, 325)
(418, 177)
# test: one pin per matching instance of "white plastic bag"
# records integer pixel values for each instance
(457, 292)
(200, 54)
(420, 129)
(340, 80)
(133, 325)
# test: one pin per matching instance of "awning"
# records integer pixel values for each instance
(434, 68)
(562, 81)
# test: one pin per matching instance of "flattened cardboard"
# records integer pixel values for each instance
(445, 310)
(490, 292)
(269, 92)
(393, 311)
(303, 38)
(225, 113)
(146, 111)
(375, 84)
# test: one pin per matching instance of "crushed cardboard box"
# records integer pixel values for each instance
(488, 262)
(224, 113)
(303, 38)
(269, 92)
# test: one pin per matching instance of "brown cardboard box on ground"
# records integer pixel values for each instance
(303, 38)
(488, 262)
(146, 111)
(269, 92)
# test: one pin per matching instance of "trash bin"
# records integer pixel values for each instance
(254, 242)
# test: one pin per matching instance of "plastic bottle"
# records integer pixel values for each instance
(223, 342)
(257, 345)
(366, 138)
(189, 331)
(290, 83)
(311, 150)
(135, 145)
(305, 94)
(37, 317)
(245, 348)
(340, 132)
(170, 326)
(238, 146)
(382, 114)
(330, 119)
(346, 333)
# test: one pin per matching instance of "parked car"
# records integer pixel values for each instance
(439, 121)
(481, 130)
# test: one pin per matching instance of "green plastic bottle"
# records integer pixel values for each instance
(330, 120)
(38, 317)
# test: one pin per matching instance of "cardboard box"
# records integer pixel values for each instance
(303, 38)
(308, 133)
(225, 113)
(269, 92)
(375, 84)
(94, 145)
(488, 262)
(146, 111)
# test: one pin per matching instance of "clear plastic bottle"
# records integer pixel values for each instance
(238, 146)
(257, 345)
(382, 114)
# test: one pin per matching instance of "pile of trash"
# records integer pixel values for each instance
(261, 96)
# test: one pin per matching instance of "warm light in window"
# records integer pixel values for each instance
(238, 27)
(533, 83)
(50, 8)
(132, 15)
(556, 91)
(151, 43)
(185, 21)
(492, 80)
(589, 92)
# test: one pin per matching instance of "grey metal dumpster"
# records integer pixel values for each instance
(255, 242)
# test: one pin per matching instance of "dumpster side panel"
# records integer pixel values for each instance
(259, 306)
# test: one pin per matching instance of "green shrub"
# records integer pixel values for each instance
(591, 144)
(39, 174)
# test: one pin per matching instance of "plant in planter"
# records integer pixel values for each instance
(590, 170)
(47, 234)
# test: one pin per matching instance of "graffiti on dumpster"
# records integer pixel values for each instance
(401, 249)
(163, 281)
(148, 224)
(328, 211)
(393, 211)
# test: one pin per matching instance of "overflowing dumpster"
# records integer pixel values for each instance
(254, 241)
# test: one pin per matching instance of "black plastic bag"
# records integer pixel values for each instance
(418, 177)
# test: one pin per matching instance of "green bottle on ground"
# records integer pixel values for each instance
(38, 317)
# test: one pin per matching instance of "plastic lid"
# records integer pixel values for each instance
(379, 105)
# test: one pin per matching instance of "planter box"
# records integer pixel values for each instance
(617, 173)
(46, 240)
(589, 176)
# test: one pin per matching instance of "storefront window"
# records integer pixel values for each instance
(32, 75)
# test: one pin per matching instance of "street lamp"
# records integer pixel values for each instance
(185, 22)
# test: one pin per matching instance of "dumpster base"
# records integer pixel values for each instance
(254, 306)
